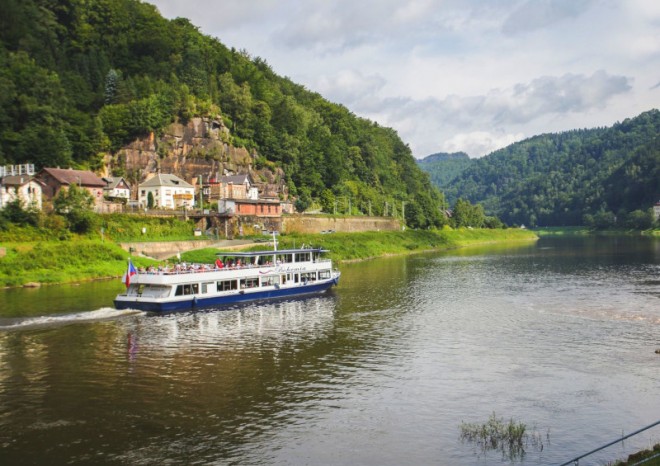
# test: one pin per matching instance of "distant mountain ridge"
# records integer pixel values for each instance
(441, 156)
(443, 167)
(571, 178)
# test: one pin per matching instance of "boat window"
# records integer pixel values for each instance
(270, 280)
(284, 258)
(227, 285)
(182, 290)
(323, 274)
(265, 260)
(308, 276)
(207, 287)
(249, 283)
(302, 257)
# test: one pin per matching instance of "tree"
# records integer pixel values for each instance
(75, 204)
(15, 212)
(111, 86)
(150, 200)
(465, 214)
(304, 200)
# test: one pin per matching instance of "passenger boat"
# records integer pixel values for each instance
(236, 277)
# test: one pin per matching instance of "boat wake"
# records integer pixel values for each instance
(106, 313)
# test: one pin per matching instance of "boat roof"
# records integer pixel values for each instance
(270, 252)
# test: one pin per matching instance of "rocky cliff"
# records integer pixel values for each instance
(199, 147)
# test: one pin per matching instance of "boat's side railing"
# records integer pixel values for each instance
(200, 268)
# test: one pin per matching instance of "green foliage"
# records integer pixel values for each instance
(15, 212)
(75, 204)
(62, 261)
(120, 227)
(571, 178)
(114, 70)
(364, 245)
(443, 168)
(465, 214)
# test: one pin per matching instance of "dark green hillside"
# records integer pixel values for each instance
(599, 177)
(79, 78)
(444, 167)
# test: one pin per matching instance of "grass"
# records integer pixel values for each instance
(585, 231)
(646, 457)
(50, 262)
(49, 256)
(509, 437)
(365, 245)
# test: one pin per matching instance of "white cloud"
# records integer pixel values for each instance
(446, 73)
(479, 142)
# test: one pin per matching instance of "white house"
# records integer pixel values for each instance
(656, 211)
(168, 191)
(117, 187)
(22, 187)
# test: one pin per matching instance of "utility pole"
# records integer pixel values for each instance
(201, 194)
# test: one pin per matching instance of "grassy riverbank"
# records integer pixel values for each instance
(365, 245)
(585, 231)
(43, 258)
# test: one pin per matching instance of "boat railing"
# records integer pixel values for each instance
(205, 268)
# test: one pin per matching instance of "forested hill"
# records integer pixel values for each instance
(80, 78)
(444, 167)
(598, 177)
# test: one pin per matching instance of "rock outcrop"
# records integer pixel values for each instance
(200, 147)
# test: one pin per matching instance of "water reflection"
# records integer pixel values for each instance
(558, 335)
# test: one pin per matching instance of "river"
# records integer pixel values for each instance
(383, 370)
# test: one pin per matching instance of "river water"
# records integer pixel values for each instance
(383, 370)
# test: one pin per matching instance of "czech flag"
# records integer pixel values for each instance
(129, 273)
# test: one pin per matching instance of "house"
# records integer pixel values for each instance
(656, 211)
(237, 187)
(117, 188)
(168, 192)
(56, 179)
(250, 207)
(23, 187)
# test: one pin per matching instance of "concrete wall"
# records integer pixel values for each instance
(317, 224)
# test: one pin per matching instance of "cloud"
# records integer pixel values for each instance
(483, 123)
(449, 72)
(479, 143)
(538, 14)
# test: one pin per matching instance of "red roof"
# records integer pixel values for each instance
(81, 177)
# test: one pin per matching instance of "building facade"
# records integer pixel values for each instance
(54, 180)
(22, 187)
(117, 188)
(250, 207)
(168, 192)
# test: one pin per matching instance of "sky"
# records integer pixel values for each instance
(454, 75)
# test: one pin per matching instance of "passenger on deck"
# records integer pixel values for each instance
(219, 264)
